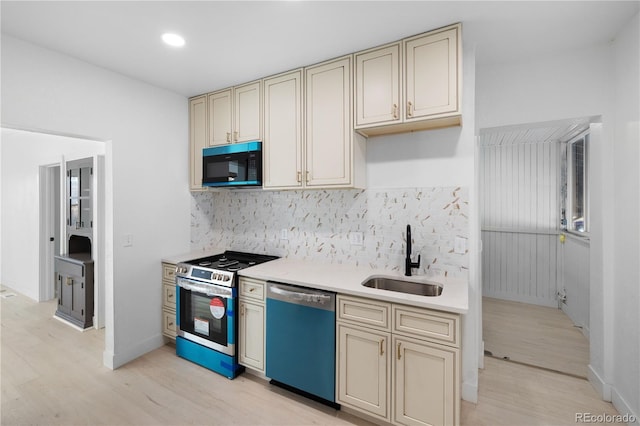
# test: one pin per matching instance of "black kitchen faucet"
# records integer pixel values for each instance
(408, 264)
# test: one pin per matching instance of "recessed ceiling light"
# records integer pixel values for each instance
(173, 39)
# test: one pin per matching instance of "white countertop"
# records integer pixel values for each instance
(347, 279)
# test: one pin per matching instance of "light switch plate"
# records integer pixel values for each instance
(284, 234)
(356, 238)
(460, 245)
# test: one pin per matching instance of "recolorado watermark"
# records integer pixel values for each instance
(605, 418)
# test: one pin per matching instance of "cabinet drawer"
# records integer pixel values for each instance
(169, 323)
(436, 326)
(169, 271)
(169, 296)
(364, 311)
(253, 289)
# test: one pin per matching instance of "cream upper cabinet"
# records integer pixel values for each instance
(197, 139)
(220, 121)
(247, 122)
(377, 80)
(333, 157)
(235, 115)
(283, 131)
(417, 364)
(411, 85)
(432, 73)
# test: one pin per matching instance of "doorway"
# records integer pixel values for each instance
(50, 226)
(525, 264)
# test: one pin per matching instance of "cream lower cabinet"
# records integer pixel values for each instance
(397, 363)
(251, 333)
(364, 369)
(169, 300)
(424, 383)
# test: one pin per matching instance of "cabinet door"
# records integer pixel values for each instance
(197, 139)
(328, 124)
(432, 74)
(169, 323)
(247, 113)
(220, 124)
(64, 289)
(78, 298)
(425, 384)
(377, 81)
(252, 335)
(282, 145)
(363, 370)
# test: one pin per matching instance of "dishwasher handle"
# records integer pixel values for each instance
(301, 296)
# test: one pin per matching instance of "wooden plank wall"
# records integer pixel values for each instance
(519, 186)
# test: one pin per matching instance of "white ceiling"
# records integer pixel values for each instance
(234, 42)
(550, 131)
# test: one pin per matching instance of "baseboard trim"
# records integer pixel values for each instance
(603, 388)
(470, 392)
(623, 408)
(113, 360)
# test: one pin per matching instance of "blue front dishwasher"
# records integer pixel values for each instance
(301, 340)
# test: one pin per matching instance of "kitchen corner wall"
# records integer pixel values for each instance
(319, 223)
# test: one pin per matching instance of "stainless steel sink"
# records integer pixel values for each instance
(402, 286)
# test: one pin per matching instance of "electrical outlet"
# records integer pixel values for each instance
(284, 234)
(356, 238)
(460, 245)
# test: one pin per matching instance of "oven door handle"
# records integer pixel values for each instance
(203, 289)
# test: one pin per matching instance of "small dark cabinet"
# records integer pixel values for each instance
(74, 286)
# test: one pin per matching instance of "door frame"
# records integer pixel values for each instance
(51, 189)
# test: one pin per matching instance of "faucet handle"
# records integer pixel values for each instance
(416, 264)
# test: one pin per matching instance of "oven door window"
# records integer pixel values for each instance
(204, 316)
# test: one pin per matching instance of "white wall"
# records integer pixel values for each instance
(601, 80)
(626, 208)
(21, 154)
(146, 174)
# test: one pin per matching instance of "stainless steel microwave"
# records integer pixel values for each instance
(234, 165)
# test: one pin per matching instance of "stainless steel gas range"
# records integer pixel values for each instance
(206, 309)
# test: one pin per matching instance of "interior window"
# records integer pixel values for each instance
(577, 184)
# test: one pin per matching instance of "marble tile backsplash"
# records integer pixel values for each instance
(318, 224)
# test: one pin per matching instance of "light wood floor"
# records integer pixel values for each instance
(535, 335)
(52, 374)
